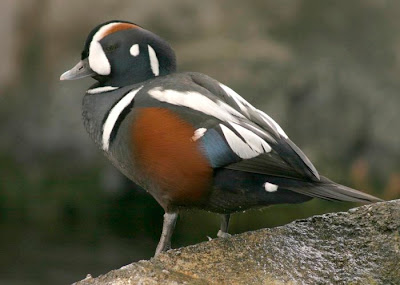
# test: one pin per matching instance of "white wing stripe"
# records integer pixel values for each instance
(238, 146)
(245, 107)
(262, 132)
(113, 116)
(272, 123)
(254, 141)
(242, 103)
(235, 96)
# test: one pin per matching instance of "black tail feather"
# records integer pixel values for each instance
(329, 190)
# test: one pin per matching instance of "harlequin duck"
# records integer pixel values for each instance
(189, 140)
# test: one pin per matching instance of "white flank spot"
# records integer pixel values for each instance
(272, 123)
(198, 134)
(269, 187)
(196, 101)
(113, 116)
(134, 50)
(153, 61)
(242, 149)
(240, 101)
(254, 141)
(101, 89)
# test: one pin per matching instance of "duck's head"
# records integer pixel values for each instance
(120, 53)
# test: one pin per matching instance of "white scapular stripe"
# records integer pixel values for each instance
(240, 101)
(272, 123)
(238, 146)
(229, 109)
(113, 116)
(262, 132)
(198, 133)
(97, 58)
(134, 50)
(269, 187)
(245, 107)
(254, 141)
(196, 101)
(101, 89)
(153, 61)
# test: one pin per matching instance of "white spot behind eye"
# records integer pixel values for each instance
(134, 50)
(153, 61)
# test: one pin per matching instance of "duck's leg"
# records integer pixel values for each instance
(223, 232)
(168, 228)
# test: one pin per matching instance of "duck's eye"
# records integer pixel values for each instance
(111, 48)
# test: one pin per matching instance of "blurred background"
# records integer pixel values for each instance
(327, 71)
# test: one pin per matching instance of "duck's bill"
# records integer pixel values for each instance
(81, 70)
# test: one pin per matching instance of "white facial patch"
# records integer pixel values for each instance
(196, 101)
(134, 50)
(101, 89)
(269, 187)
(153, 61)
(198, 133)
(98, 61)
(112, 118)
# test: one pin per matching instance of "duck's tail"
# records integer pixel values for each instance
(329, 190)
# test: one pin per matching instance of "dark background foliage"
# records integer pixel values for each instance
(327, 71)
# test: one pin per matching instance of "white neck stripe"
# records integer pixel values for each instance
(101, 89)
(155, 67)
(113, 116)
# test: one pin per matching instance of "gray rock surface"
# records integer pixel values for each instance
(361, 246)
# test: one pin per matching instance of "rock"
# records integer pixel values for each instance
(361, 246)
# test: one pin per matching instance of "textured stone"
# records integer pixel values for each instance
(361, 246)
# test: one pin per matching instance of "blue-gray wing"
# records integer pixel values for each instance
(257, 142)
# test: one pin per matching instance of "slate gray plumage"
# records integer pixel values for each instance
(250, 160)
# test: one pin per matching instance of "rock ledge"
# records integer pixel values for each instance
(361, 246)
